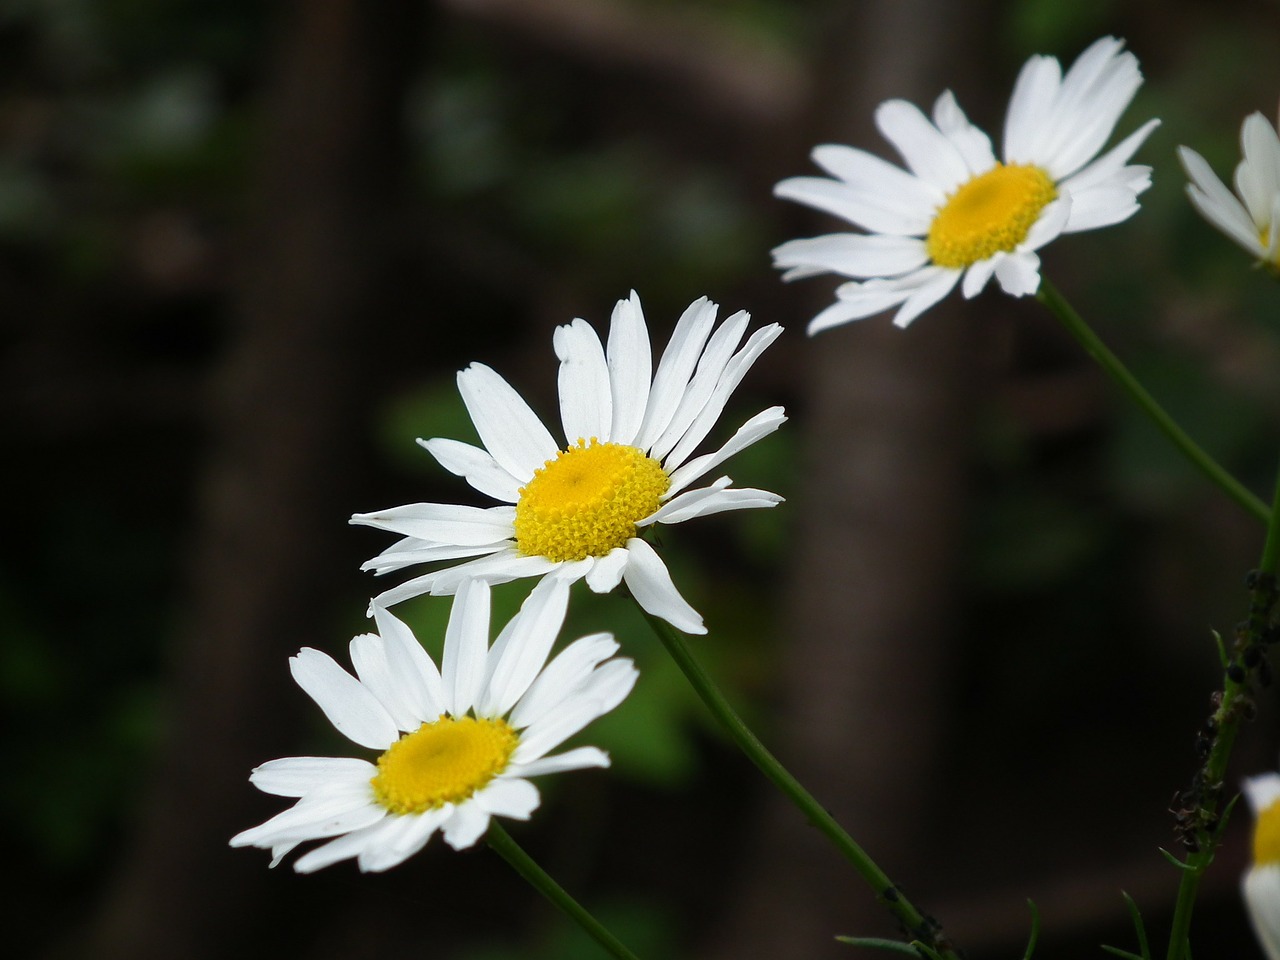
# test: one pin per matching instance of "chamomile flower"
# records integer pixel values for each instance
(1261, 883)
(957, 215)
(1252, 217)
(455, 746)
(577, 510)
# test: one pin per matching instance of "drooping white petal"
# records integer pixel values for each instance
(606, 572)
(396, 840)
(509, 797)
(499, 567)
(508, 428)
(322, 813)
(586, 401)
(466, 647)
(343, 848)
(936, 283)
(411, 551)
(465, 825)
(630, 368)
(1018, 273)
(650, 583)
(350, 707)
(476, 466)
(976, 277)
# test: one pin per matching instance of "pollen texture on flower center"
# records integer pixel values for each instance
(989, 214)
(1266, 836)
(587, 500)
(442, 762)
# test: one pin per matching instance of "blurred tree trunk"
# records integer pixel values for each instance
(865, 629)
(268, 554)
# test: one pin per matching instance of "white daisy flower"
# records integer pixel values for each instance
(1261, 883)
(958, 215)
(1252, 220)
(576, 511)
(457, 745)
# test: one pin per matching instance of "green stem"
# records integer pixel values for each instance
(1207, 789)
(916, 924)
(501, 843)
(1058, 306)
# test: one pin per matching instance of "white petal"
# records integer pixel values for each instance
(1030, 108)
(466, 646)
(397, 840)
(580, 758)
(1258, 174)
(711, 365)
(295, 776)
(675, 368)
(606, 573)
(853, 255)
(1101, 207)
(411, 551)
(508, 428)
(711, 500)
(1262, 791)
(522, 649)
(887, 191)
(761, 425)
(343, 848)
(509, 797)
(476, 466)
(734, 371)
(1054, 220)
(976, 277)
(562, 677)
(1110, 164)
(1018, 273)
(415, 671)
(874, 210)
(353, 710)
(1216, 203)
(856, 301)
(368, 656)
(586, 404)
(936, 285)
(630, 368)
(928, 154)
(499, 567)
(1261, 890)
(609, 685)
(314, 817)
(650, 583)
(445, 523)
(974, 145)
(465, 825)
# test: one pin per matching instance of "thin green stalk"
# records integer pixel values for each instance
(500, 841)
(1206, 826)
(1058, 306)
(916, 924)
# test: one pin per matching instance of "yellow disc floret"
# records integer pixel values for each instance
(587, 500)
(1266, 836)
(989, 214)
(442, 762)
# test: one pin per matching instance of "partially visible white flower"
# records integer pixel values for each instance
(577, 511)
(456, 745)
(1252, 216)
(957, 215)
(1261, 883)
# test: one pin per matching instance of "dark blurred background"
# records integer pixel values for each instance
(244, 248)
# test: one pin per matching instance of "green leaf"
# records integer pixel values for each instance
(1180, 864)
(878, 943)
(1035, 930)
(1139, 928)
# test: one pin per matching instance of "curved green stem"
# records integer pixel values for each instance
(1058, 306)
(916, 924)
(1207, 788)
(501, 843)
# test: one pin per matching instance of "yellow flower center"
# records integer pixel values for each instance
(587, 500)
(442, 762)
(989, 214)
(1266, 836)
